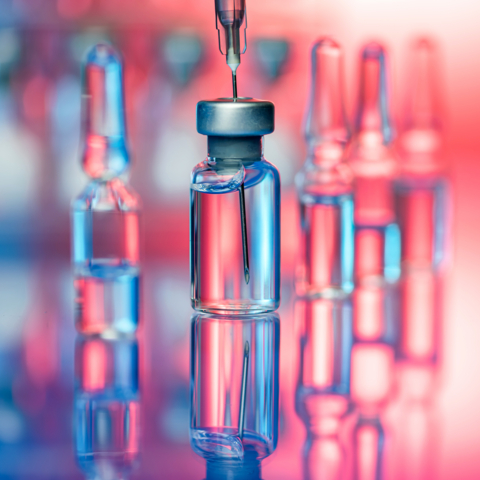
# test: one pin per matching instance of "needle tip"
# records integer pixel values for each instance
(247, 276)
(247, 348)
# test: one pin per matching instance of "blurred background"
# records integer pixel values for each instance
(172, 61)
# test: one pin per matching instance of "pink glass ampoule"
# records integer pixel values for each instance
(324, 183)
(377, 238)
(422, 189)
(105, 217)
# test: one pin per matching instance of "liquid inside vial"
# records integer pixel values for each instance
(421, 210)
(220, 283)
(327, 244)
(105, 253)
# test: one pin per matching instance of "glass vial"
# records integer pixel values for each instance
(234, 379)
(235, 211)
(422, 187)
(324, 183)
(377, 236)
(107, 407)
(105, 217)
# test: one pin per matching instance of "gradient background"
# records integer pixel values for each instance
(41, 43)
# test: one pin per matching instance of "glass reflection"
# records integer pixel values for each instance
(234, 378)
(373, 373)
(107, 407)
(325, 339)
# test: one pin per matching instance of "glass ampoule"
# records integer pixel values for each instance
(235, 211)
(107, 407)
(422, 188)
(377, 236)
(322, 396)
(234, 382)
(325, 183)
(105, 217)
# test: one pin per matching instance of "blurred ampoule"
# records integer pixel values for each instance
(375, 320)
(324, 183)
(234, 382)
(374, 164)
(322, 397)
(107, 407)
(422, 188)
(105, 217)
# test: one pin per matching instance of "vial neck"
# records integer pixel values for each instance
(235, 148)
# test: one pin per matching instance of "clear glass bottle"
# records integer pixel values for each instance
(105, 217)
(235, 211)
(107, 407)
(422, 188)
(322, 397)
(324, 183)
(377, 236)
(234, 381)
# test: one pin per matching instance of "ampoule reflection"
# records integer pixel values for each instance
(105, 217)
(375, 325)
(107, 407)
(324, 183)
(374, 164)
(422, 187)
(234, 381)
(322, 398)
(418, 358)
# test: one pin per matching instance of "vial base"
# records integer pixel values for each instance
(224, 442)
(235, 307)
(107, 298)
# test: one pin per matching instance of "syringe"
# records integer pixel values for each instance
(231, 16)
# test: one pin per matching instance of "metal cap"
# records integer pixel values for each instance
(244, 117)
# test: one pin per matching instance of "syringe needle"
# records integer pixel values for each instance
(234, 81)
(243, 220)
(243, 394)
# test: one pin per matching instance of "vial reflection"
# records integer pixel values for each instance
(234, 378)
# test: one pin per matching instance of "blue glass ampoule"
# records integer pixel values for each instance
(322, 395)
(105, 217)
(324, 183)
(422, 188)
(235, 211)
(107, 407)
(374, 164)
(234, 388)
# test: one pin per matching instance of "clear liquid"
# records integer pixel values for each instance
(106, 297)
(326, 263)
(422, 216)
(377, 252)
(218, 270)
